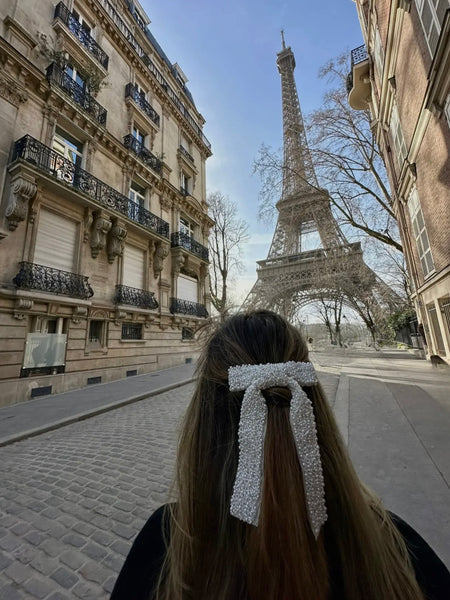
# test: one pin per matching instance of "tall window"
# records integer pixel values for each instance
(137, 194)
(185, 184)
(139, 135)
(186, 227)
(397, 136)
(74, 73)
(431, 13)
(68, 146)
(420, 233)
(84, 24)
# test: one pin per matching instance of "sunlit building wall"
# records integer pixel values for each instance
(402, 75)
(103, 215)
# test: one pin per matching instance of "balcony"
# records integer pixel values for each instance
(75, 91)
(135, 297)
(75, 27)
(186, 154)
(54, 281)
(358, 82)
(183, 240)
(47, 160)
(138, 98)
(186, 307)
(133, 42)
(133, 144)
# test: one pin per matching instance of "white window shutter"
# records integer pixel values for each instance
(187, 288)
(133, 267)
(56, 241)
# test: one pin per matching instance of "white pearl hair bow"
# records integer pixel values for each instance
(247, 491)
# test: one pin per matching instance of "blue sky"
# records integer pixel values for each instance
(227, 50)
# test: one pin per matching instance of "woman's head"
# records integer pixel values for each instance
(213, 554)
(257, 337)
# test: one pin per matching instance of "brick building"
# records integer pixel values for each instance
(402, 74)
(103, 217)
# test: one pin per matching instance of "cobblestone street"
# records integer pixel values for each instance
(72, 500)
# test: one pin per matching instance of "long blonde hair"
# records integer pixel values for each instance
(212, 555)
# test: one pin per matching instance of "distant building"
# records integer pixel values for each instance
(402, 75)
(103, 214)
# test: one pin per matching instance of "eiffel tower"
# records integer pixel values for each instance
(294, 275)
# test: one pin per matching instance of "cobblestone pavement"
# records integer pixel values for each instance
(72, 500)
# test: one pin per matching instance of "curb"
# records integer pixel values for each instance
(6, 441)
(341, 407)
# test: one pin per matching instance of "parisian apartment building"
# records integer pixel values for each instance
(402, 75)
(103, 215)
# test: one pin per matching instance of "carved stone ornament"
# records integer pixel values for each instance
(178, 263)
(20, 305)
(100, 227)
(116, 239)
(11, 92)
(78, 313)
(119, 316)
(23, 189)
(151, 251)
(161, 252)
(166, 203)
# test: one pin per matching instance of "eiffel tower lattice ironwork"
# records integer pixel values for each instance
(292, 275)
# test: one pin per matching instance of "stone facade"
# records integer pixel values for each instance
(103, 215)
(403, 76)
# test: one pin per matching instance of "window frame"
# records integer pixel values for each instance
(420, 234)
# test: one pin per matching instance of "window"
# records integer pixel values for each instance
(187, 334)
(74, 73)
(68, 146)
(133, 267)
(185, 143)
(397, 136)
(139, 135)
(132, 331)
(185, 184)
(56, 241)
(378, 54)
(137, 197)
(95, 331)
(420, 233)
(84, 24)
(447, 110)
(186, 227)
(187, 288)
(431, 14)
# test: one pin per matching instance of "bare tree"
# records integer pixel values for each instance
(226, 237)
(347, 162)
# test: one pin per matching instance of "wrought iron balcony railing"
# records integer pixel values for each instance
(79, 94)
(127, 33)
(186, 154)
(135, 297)
(359, 55)
(183, 240)
(138, 97)
(47, 279)
(133, 144)
(186, 307)
(63, 13)
(46, 159)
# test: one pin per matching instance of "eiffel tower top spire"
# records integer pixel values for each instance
(298, 167)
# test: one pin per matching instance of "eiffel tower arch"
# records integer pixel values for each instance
(294, 274)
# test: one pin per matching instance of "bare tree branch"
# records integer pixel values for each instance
(226, 237)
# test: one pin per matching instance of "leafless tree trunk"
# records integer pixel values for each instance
(225, 240)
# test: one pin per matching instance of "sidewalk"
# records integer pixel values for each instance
(394, 413)
(33, 417)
